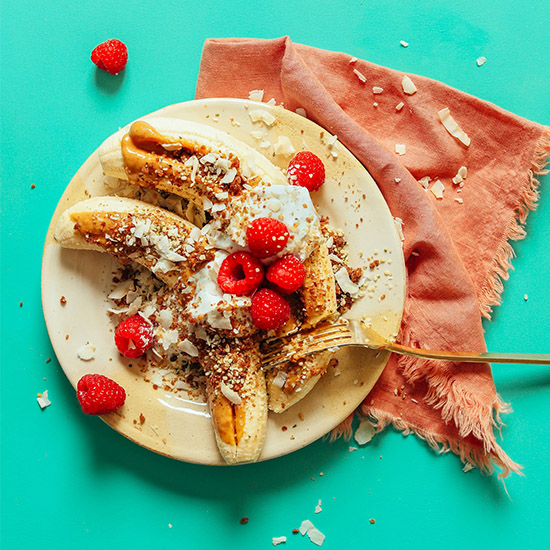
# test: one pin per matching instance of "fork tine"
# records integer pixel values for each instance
(276, 352)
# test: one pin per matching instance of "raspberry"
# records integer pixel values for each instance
(288, 273)
(306, 170)
(110, 56)
(98, 394)
(269, 309)
(266, 237)
(240, 274)
(134, 336)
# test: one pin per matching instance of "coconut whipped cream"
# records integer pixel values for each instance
(211, 306)
(290, 204)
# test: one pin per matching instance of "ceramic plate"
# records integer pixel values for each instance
(177, 423)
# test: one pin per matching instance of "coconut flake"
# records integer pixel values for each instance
(283, 146)
(400, 148)
(229, 176)
(399, 106)
(360, 75)
(188, 347)
(459, 200)
(377, 90)
(121, 289)
(318, 508)
(43, 400)
(425, 181)
(481, 61)
(353, 60)
(437, 189)
(193, 163)
(305, 527)
(232, 396)
(256, 95)
(166, 318)
(278, 540)
(408, 86)
(169, 338)
(301, 111)
(260, 115)
(452, 127)
(316, 537)
(280, 379)
(399, 224)
(345, 283)
(364, 432)
(163, 266)
(257, 134)
(171, 146)
(404, 44)
(86, 352)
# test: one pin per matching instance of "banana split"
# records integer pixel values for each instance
(257, 266)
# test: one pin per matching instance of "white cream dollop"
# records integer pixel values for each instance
(290, 204)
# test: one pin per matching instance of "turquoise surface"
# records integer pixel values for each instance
(70, 481)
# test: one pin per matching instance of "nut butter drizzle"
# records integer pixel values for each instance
(155, 160)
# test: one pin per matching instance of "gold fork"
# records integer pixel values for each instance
(350, 332)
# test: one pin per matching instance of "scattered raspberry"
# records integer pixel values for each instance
(240, 274)
(306, 170)
(288, 274)
(110, 56)
(266, 237)
(269, 310)
(244, 520)
(98, 394)
(134, 336)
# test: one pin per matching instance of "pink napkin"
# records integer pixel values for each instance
(457, 248)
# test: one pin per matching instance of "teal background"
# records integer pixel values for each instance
(70, 481)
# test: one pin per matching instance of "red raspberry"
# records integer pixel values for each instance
(99, 395)
(266, 237)
(269, 310)
(134, 336)
(110, 56)
(240, 274)
(288, 273)
(306, 170)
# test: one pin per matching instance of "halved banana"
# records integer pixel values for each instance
(185, 158)
(172, 248)
(236, 391)
(292, 381)
(319, 288)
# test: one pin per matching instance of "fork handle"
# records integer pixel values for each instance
(471, 357)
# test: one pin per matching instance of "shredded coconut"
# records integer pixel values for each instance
(399, 106)
(278, 540)
(377, 90)
(481, 61)
(404, 44)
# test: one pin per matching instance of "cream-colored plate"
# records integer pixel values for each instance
(176, 423)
